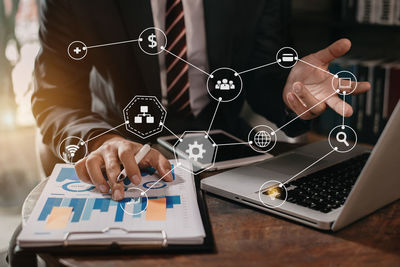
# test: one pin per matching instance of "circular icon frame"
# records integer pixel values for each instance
(229, 83)
(73, 148)
(344, 139)
(293, 58)
(160, 48)
(336, 76)
(84, 48)
(263, 187)
(141, 194)
(262, 128)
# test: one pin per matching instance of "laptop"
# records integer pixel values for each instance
(330, 193)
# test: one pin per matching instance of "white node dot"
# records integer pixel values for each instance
(161, 123)
(344, 92)
(214, 145)
(220, 99)
(236, 74)
(142, 193)
(250, 142)
(140, 39)
(336, 76)
(272, 133)
(279, 60)
(205, 136)
(162, 47)
(335, 148)
(337, 91)
(296, 58)
(84, 48)
(181, 140)
(342, 127)
(127, 122)
(82, 143)
(211, 76)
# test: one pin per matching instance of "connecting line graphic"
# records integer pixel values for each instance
(114, 43)
(274, 132)
(215, 112)
(234, 144)
(177, 165)
(305, 62)
(109, 130)
(327, 154)
(169, 130)
(187, 62)
(344, 103)
(256, 68)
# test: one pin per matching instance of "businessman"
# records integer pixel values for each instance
(84, 98)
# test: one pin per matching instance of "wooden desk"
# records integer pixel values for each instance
(249, 237)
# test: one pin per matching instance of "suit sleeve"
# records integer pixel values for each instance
(264, 93)
(61, 102)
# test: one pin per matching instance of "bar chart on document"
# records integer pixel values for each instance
(69, 205)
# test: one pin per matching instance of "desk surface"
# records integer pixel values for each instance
(246, 236)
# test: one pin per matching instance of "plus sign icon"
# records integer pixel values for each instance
(77, 50)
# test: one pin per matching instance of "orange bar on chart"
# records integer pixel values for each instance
(58, 218)
(156, 209)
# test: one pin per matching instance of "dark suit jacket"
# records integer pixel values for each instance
(81, 98)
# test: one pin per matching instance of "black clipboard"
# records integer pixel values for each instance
(208, 245)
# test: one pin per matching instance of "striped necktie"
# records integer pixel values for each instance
(177, 70)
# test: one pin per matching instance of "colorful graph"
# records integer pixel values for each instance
(82, 208)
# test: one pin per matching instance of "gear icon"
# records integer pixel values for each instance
(195, 151)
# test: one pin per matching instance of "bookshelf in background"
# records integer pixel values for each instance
(373, 26)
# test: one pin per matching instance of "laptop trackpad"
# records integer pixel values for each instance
(288, 164)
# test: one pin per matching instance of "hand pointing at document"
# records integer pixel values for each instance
(309, 85)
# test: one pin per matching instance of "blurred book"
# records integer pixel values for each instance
(383, 12)
(371, 109)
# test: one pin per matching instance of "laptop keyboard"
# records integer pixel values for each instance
(326, 189)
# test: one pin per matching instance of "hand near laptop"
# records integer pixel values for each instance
(109, 151)
(307, 85)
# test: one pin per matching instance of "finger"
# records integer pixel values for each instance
(113, 169)
(93, 165)
(362, 87)
(80, 169)
(155, 159)
(335, 50)
(308, 100)
(126, 154)
(336, 104)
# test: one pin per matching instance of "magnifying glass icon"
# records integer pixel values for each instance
(341, 137)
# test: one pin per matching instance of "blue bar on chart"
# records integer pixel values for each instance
(48, 206)
(67, 174)
(88, 209)
(78, 204)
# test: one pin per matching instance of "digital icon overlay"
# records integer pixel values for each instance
(144, 116)
(198, 148)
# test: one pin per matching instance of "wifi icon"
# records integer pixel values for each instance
(71, 149)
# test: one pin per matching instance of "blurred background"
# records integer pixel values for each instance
(372, 25)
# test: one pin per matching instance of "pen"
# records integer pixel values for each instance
(138, 157)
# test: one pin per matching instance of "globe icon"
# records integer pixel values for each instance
(262, 139)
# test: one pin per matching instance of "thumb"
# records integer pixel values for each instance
(335, 50)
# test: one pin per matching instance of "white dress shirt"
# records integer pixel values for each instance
(196, 51)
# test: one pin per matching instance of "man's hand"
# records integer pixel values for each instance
(109, 151)
(306, 85)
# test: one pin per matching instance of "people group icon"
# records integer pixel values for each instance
(225, 85)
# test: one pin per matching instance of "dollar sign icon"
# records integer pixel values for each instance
(153, 42)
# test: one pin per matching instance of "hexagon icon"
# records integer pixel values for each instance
(197, 148)
(145, 116)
